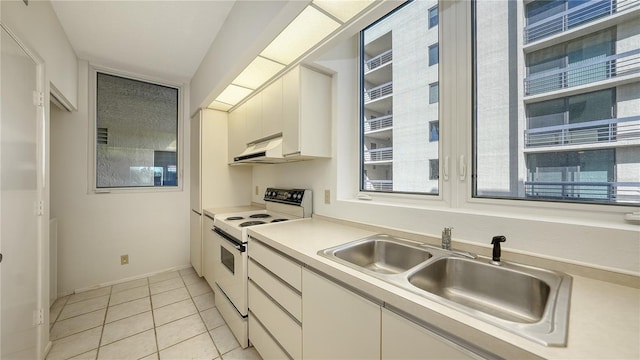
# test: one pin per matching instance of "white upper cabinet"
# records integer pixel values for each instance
(236, 131)
(306, 114)
(253, 119)
(272, 109)
(296, 106)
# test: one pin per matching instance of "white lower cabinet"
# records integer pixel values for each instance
(296, 313)
(404, 339)
(337, 323)
(208, 251)
(275, 303)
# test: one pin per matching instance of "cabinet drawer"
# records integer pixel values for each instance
(279, 291)
(284, 329)
(263, 342)
(282, 267)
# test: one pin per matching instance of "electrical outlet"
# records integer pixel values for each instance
(327, 196)
(257, 190)
(124, 259)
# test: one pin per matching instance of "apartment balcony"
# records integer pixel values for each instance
(378, 124)
(378, 61)
(606, 70)
(378, 185)
(381, 155)
(588, 17)
(613, 131)
(378, 92)
(583, 191)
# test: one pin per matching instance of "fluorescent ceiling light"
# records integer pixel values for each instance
(257, 73)
(303, 33)
(217, 105)
(233, 94)
(343, 9)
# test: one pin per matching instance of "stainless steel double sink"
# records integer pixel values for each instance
(528, 301)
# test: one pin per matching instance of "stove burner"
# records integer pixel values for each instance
(259, 216)
(278, 220)
(251, 223)
(235, 218)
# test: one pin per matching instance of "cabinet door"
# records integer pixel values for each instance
(253, 118)
(291, 112)
(196, 122)
(272, 109)
(404, 339)
(208, 251)
(236, 133)
(196, 241)
(337, 323)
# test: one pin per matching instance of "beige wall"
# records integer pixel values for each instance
(95, 229)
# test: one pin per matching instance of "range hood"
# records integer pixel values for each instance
(266, 152)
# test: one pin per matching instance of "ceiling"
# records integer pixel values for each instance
(163, 39)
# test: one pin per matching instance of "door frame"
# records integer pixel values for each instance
(43, 345)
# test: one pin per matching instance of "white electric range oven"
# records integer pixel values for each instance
(230, 256)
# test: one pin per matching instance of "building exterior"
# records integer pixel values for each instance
(400, 127)
(557, 101)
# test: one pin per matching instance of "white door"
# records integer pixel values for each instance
(19, 195)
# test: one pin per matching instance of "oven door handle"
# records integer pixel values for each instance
(238, 245)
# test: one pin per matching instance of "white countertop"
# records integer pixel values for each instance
(604, 321)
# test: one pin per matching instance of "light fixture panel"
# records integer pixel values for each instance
(233, 94)
(343, 9)
(217, 105)
(304, 32)
(257, 73)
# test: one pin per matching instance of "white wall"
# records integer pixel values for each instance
(597, 239)
(38, 27)
(95, 229)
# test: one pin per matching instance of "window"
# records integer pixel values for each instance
(137, 133)
(571, 132)
(434, 90)
(433, 17)
(434, 131)
(397, 145)
(433, 54)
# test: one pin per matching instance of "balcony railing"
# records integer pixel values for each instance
(604, 191)
(383, 122)
(579, 15)
(378, 92)
(378, 185)
(382, 154)
(586, 72)
(375, 62)
(591, 132)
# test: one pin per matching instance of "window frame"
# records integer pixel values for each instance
(92, 187)
(456, 103)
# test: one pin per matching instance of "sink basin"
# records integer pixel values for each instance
(380, 254)
(503, 292)
(525, 300)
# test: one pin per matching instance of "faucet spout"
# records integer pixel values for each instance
(446, 238)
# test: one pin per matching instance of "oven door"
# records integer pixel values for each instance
(230, 268)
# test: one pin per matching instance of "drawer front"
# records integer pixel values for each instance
(263, 342)
(284, 329)
(279, 291)
(282, 267)
(237, 324)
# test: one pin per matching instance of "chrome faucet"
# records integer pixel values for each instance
(446, 238)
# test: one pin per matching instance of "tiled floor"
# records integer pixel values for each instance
(167, 316)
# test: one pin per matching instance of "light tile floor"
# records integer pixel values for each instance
(166, 316)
